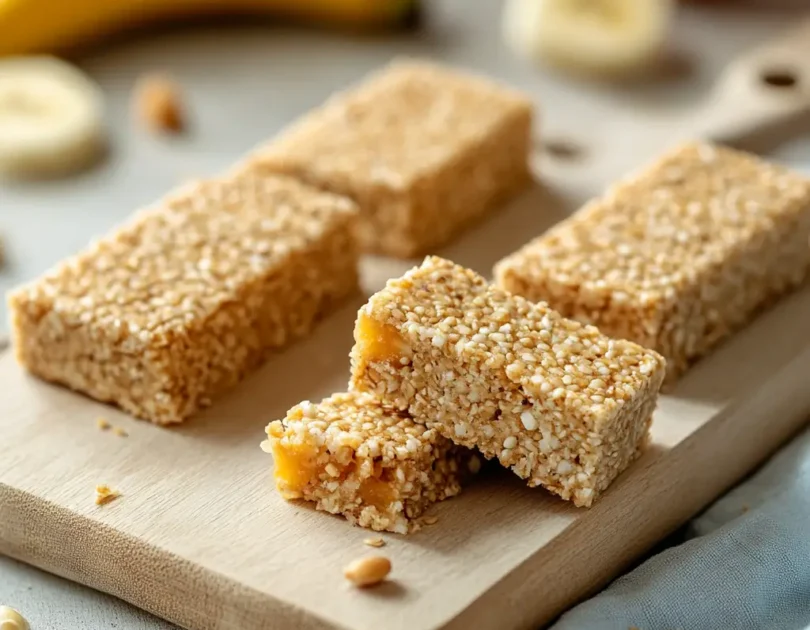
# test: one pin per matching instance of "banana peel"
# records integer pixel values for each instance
(47, 26)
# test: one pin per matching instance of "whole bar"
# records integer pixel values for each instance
(677, 257)
(188, 297)
(376, 467)
(424, 151)
(557, 401)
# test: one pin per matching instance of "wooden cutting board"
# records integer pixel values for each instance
(200, 537)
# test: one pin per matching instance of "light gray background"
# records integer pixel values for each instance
(242, 85)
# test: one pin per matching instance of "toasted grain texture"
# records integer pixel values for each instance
(677, 257)
(424, 150)
(190, 296)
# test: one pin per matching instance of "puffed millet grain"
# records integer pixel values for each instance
(378, 468)
(190, 296)
(678, 256)
(506, 359)
(423, 149)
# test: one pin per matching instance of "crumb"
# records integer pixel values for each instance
(374, 542)
(430, 520)
(102, 424)
(745, 507)
(158, 104)
(120, 432)
(104, 494)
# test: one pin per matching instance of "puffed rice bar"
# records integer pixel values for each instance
(557, 401)
(424, 151)
(378, 468)
(189, 296)
(677, 257)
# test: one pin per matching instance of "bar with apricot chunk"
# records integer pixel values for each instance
(424, 150)
(376, 467)
(558, 402)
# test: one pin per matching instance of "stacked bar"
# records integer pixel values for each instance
(423, 150)
(678, 257)
(377, 468)
(185, 300)
(557, 401)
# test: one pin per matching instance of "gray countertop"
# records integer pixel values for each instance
(243, 84)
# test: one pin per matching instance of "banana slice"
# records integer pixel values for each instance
(588, 36)
(51, 117)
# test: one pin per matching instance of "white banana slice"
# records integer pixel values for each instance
(588, 36)
(51, 117)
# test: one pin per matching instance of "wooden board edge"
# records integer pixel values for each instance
(56, 540)
(591, 553)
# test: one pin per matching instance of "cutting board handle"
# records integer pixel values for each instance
(763, 89)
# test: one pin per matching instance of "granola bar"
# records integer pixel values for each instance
(378, 468)
(678, 257)
(424, 151)
(191, 295)
(557, 401)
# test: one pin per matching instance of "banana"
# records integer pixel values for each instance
(28, 26)
(594, 37)
(51, 117)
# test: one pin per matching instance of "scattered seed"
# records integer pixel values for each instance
(374, 542)
(11, 619)
(159, 105)
(430, 520)
(102, 424)
(120, 432)
(368, 571)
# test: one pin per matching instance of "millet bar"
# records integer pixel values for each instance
(424, 150)
(191, 295)
(376, 467)
(677, 257)
(558, 402)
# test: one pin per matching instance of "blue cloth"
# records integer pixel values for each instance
(744, 566)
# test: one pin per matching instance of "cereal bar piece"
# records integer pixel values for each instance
(557, 401)
(424, 151)
(677, 257)
(378, 468)
(191, 295)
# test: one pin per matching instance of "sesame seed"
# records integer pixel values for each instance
(510, 442)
